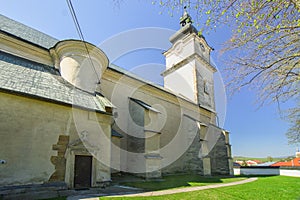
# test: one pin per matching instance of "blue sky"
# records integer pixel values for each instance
(254, 132)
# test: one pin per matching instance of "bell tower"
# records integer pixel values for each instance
(188, 69)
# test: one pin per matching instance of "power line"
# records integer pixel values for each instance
(75, 20)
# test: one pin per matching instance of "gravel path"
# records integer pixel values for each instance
(161, 192)
(188, 189)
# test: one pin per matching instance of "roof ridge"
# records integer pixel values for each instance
(25, 32)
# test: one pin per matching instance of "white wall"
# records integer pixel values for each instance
(266, 171)
(289, 172)
(260, 171)
(236, 171)
(182, 81)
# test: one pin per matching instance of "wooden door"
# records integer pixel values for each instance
(83, 172)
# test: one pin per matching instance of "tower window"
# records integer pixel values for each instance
(205, 87)
(202, 47)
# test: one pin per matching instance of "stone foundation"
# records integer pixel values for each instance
(59, 161)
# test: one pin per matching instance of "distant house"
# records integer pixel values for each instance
(287, 168)
(247, 163)
(251, 163)
(291, 163)
(258, 161)
(266, 164)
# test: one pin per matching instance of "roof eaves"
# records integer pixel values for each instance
(28, 95)
(144, 105)
(116, 133)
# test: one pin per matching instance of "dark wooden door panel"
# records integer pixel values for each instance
(83, 171)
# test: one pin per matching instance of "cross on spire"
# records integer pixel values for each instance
(185, 18)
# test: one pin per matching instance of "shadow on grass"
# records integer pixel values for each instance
(177, 181)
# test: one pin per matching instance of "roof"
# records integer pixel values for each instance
(144, 105)
(25, 77)
(235, 164)
(36, 37)
(116, 133)
(257, 161)
(24, 32)
(266, 164)
(292, 163)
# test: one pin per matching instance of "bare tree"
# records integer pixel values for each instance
(264, 50)
(293, 133)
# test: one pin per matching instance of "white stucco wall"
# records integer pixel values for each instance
(288, 172)
(179, 51)
(115, 155)
(260, 171)
(176, 133)
(30, 128)
(266, 171)
(182, 81)
(256, 171)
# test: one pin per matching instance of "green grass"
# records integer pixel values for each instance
(272, 187)
(57, 198)
(176, 181)
(181, 181)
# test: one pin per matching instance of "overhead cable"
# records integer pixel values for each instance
(75, 20)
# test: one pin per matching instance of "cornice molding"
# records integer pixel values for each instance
(186, 61)
(25, 50)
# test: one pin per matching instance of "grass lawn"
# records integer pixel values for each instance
(57, 198)
(181, 181)
(176, 181)
(272, 187)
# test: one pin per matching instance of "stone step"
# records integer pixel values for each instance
(31, 190)
(34, 195)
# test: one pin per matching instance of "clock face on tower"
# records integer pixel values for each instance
(178, 47)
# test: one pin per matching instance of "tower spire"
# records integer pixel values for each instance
(185, 18)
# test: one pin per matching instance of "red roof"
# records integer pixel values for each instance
(292, 163)
(257, 161)
(251, 162)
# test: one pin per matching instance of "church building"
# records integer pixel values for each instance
(67, 115)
